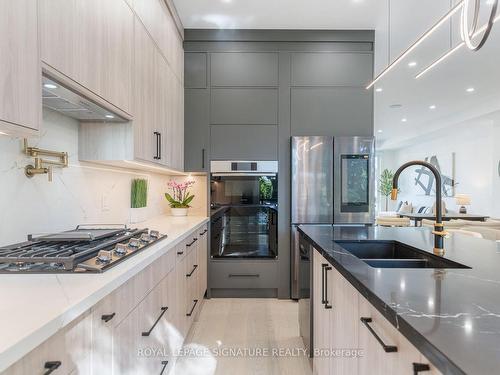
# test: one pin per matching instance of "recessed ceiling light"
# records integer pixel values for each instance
(226, 1)
(380, 89)
(432, 107)
(110, 116)
(411, 64)
(49, 86)
(471, 89)
(380, 131)
(404, 119)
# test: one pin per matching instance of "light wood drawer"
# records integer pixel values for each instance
(71, 346)
(247, 275)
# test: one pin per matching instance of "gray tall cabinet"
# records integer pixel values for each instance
(248, 91)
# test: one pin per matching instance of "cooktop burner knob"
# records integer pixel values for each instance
(154, 234)
(134, 243)
(146, 238)
(104, 257)
(121, 249)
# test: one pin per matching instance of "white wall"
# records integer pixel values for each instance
(82, 193)
(477, 152)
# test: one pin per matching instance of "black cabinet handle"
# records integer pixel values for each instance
(327, 305)
(163, 311)
(164, 366)
(157, 156)
(205, 231)
(323, 283)
(244, 275)
(191, 273)
(192, 308)
(191, 243)
(387, 348)
(202, 158)
(420, 367)
(51, 366)
(159, 146)
(107, 317)
(180, 252)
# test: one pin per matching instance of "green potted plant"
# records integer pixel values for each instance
(385, 185)
(180, 198)
(138, 200)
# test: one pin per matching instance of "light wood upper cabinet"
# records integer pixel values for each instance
(90, 42)
(20, 72)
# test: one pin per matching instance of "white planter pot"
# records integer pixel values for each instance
(138, 215)
(179, 211)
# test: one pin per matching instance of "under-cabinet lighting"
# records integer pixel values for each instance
(410, 49)
(49, 86)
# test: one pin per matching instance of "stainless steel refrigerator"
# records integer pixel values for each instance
(332, 183)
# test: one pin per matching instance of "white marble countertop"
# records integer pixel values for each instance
(34, 307)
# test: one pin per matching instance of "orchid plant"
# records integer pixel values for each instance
(180, 197)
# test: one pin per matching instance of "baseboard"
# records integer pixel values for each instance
(243, 293)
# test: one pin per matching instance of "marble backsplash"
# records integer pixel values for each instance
(82, 193)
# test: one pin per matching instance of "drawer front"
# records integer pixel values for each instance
(246, 275)
(71, 347)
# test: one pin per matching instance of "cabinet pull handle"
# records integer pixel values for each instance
(164, 366)
(420, 367)
(205, 231)
(107, 317)
(163, 311)
(387, 348)
(202, 158)
(192, 242)
(192, 308)
(156, 157)
(51, 366)
(192, 271)
(244, 275)
(159, 146)
(180, 252)
(327, 305)
(323, 265)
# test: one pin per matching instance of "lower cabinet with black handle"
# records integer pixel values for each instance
(138, 328)
(350, 336)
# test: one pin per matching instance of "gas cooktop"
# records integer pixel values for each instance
(87, 248)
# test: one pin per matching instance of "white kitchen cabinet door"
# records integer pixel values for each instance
(90, 42)
(20, 71)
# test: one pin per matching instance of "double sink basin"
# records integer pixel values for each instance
(394, 254)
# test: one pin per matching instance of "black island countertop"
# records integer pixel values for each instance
(451, 315)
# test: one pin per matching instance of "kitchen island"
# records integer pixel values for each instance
(450, 315)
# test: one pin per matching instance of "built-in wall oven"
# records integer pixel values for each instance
(245, 195)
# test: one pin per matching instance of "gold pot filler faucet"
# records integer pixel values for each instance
(43, 166)
(439, 232)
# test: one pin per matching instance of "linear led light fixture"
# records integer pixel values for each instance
(453, 50)
(443, 19)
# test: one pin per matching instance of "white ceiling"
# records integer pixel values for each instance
(398, 23)
(278, 14)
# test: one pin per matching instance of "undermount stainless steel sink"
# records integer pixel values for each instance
(394, 254)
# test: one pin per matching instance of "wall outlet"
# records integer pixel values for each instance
(105, 203)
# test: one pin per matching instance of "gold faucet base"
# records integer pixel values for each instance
(439, 252)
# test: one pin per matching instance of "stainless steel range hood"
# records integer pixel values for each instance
(70, 103)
